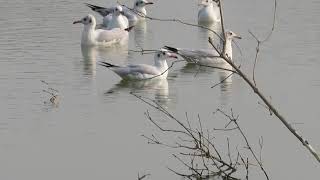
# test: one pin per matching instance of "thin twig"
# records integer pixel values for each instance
(252, 85)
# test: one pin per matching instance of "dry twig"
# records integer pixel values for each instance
(265, 100)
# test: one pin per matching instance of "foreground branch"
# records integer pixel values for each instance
(197, 145)
(252, 85)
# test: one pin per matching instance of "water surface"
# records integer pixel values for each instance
(95, 132)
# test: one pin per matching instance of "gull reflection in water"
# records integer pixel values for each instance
(156, 89)
(92, 54)
(140, 33)
(204, 34)
(224, 77)
(221, 78)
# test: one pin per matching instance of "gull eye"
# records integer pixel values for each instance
(164, 53)
(85, 19)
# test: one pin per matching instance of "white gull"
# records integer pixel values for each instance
(143, 71)
(209, 13)
(205, 56)
(92, 36)
(116, 19)
(135, 14)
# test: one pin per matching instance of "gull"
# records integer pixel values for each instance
(116, 19)
(143, 71)
(136, 13)
(205, 56)
(209, 13)
(92, 36)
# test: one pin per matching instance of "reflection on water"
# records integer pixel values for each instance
(93, 54)
(222, 79)
(225, 77)
(204, 34)
(157, 89)
(140, 32)
(89, 55)
(38, 42)
(192, 68)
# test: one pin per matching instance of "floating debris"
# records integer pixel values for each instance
(54, 93)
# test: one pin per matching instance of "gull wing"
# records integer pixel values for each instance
(144, 69)
(139, 70)
(110, 35)
(201, 53)
(101, 10)
(194, 55)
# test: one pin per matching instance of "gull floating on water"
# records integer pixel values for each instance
(133, 15)
(209, 13)
(116, 19)
(92, 36)
(205, 56)
(143, 71)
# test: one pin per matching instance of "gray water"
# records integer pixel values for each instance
(95, 131)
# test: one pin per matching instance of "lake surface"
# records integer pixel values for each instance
(95, 131)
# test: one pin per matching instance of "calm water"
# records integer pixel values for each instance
(95, 132)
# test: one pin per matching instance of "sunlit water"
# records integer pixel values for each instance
(95, 131)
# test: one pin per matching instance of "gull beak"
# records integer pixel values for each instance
(77, 22)
(173, 56)
(148, 3)
(238, 37)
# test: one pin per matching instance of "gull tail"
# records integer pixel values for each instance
(108, 65)
(129, 28)
(175, 50)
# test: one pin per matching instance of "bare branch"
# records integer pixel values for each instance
(223, 80)
(265, 100)
(235, 122)
(143, 176)
(260, 42)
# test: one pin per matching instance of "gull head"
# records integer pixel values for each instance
(117, 10)
(231, 35)
(206, 2)
(164, 54)
(88, 20)
(141, 3)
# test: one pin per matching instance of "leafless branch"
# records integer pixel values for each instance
(194, 143)
(143, 176)
(234, 120)
(268, 103)
(260, 42)
(223, 80)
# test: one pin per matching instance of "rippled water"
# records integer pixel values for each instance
(95, 131)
